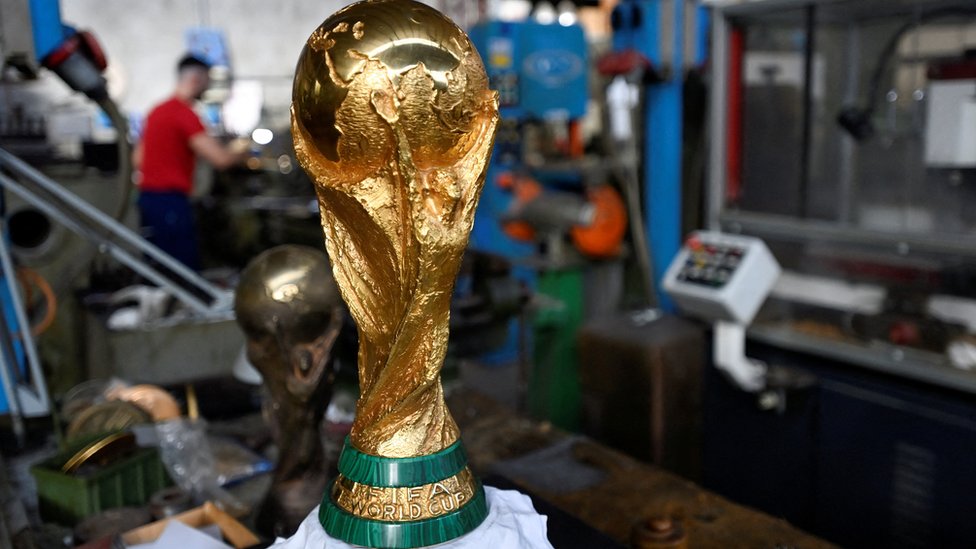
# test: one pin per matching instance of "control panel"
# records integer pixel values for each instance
(721, 276)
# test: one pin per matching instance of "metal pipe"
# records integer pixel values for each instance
(807, 230)
(30, 350)
(806, 137)
(108, 246)
(124, 153)
(13, 399)
(717, 112)
(106, 222)
(8, 354)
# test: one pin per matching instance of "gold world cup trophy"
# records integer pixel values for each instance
(393, 120)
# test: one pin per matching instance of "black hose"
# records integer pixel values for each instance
(88, 251)
(624, 156)
(858, 120)
(125, 156)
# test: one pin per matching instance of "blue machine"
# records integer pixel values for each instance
(73, 55)
(540, 73)
(15, 350)
(637, 26)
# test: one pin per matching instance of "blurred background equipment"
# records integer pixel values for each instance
(838, 138)
(725, 279)
(288, 306)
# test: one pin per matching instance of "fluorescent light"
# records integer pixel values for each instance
(262, 136)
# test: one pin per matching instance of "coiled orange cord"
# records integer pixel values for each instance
(28, 279)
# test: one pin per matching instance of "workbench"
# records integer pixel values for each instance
(605, 489)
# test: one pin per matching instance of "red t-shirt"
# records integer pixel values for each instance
(167, 159)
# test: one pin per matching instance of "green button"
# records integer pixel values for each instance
(401, 472)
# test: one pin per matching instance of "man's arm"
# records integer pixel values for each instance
(211, 150)
(137, 156)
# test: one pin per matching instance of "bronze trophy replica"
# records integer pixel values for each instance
(289, 307)
(393, 120)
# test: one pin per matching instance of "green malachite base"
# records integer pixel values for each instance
(385, 473)
(403, 535)
(401, 472)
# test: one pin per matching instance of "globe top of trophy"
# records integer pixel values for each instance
(378, 62)
(393, 120)
(287, 291)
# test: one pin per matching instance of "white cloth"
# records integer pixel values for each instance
(512, 523)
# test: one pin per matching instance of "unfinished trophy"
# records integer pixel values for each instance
(393, 119)
(289, 307)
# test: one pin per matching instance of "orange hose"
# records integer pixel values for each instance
(29, 277)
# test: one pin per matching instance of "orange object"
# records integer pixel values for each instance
(28, 278)
(519, 230)
(230, 529)
(602, 238)
(575, 139)
(524, 190)
(154, 400)
(505, 180)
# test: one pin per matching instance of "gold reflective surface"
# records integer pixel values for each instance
(289, 307)
(393, 120)
(404, 504)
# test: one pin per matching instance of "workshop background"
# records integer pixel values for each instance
(720, 291)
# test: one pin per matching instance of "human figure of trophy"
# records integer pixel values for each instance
(393, 120)
(289, 307)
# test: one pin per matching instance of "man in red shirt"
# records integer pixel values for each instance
(172, 139)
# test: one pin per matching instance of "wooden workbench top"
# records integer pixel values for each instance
(604, 488)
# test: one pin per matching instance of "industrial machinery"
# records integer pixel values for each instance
(539, 71)
(725, 278)
(657, 45)
(549, 207)
(875, 210)
(33, 37)
(545, 206)
(840, 138)
(78, 59)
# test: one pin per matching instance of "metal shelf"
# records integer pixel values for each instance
(889, 359)
(792, 228)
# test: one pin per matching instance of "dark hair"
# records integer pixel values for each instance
(191, 61)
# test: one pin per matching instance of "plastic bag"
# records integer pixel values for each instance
(187, 456)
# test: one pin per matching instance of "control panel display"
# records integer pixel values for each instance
(720, 276)
(710, 265)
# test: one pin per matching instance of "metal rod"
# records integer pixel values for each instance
(717, 113)
(33, 362)
(848, 184)
(115, 228)
(807, 230)
(134, 263)
(806, 138)
(13, 399)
